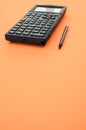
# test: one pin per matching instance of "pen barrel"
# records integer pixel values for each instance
(64, 33)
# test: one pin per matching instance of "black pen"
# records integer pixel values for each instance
(63, 36)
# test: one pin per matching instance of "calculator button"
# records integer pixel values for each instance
(39, 14)
(43, 32)
(53, 17)
(40, 20)
(45, 20)
(24, 18)
(37, 28)
(30, 16)
(14, 29)
(48, 14)
(29, 13)
(44, 17)
(35, 31)
(28, 30)
(23, 27)
(45, 14)
(31, 23)
(19, 24)
(26, 22)
(47, 27)
(56, 15)
(35, 19)
(28, 19)
(49, 24)
(43, 23)
(51, 21)
(37, 23)
(21, 21)
(44, 29)
(25, 33)
(18, 32)
(33, 14)
(30, 27)
(37, 34)
(11, 32)
(16, 26)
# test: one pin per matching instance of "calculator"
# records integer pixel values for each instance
(36, 26)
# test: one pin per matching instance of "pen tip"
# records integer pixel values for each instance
(59, 46)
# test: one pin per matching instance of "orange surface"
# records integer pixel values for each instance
(43, 88)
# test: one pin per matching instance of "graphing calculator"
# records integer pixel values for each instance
(37, 25)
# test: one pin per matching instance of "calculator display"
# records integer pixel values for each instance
(46, 9)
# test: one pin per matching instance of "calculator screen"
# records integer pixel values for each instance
(47, 9)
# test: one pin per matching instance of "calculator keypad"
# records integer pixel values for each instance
(34, 24)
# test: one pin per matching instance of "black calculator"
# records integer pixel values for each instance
(37, 25)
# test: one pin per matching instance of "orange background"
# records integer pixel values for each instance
(43, 88)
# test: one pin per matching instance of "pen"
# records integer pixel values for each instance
(63, 36)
